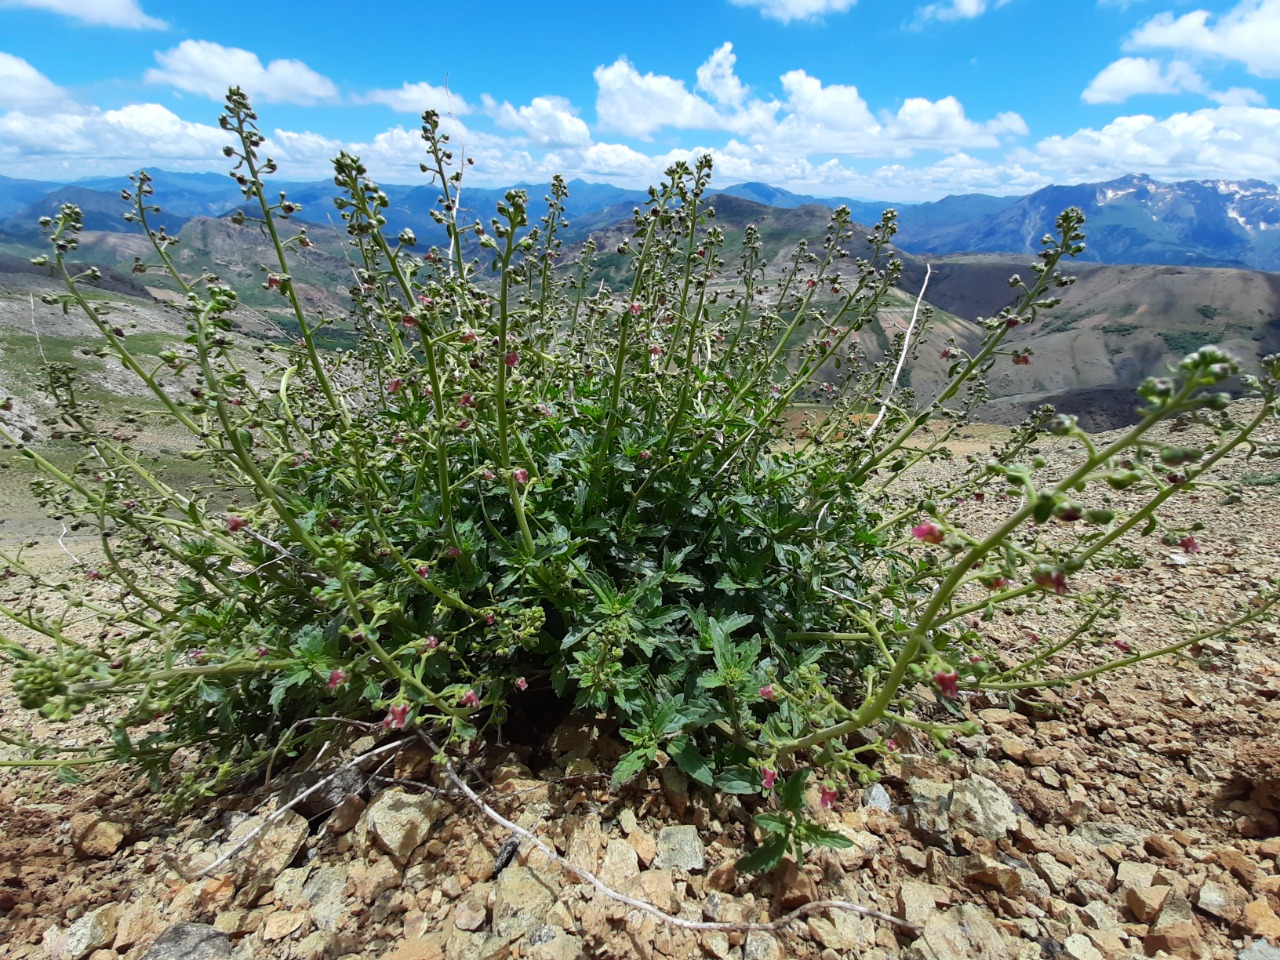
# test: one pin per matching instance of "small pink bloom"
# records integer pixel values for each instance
(979, 496)
(423, 571)
(827, 796)
(812, 283)
(336, 679)
(645, 455)
(891, 745)
(425, 300)
(522, 683)
(768, 692)
(409, 320)
(544, 410)
(235, 523)
(490, 619)
(453, 552)
(636, 309)
(520, 475)
(466, 400)
(1122, 645)
(488, 475)
(432, 642)
(394, 385)
(273, 282)
(464, 423)
(263, 652)
(1189, 544)
(947, 682)
(928, 532)
(512, 358)
(655, 351)
(1022, 360)
(94, 575)
(1055, 581)
(471, 699)
(468, 336)
(396, 717)
(769, 777)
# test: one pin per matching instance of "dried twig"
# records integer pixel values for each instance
(276, 815)
(902, 358)
(771, 926)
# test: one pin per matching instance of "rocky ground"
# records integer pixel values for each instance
(1134, 816)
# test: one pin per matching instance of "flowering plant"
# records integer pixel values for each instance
(526, 482)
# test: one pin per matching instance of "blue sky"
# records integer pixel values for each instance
(901, 100)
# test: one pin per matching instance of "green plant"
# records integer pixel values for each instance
(523, 478)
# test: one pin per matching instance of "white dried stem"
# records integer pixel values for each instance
(902, 358)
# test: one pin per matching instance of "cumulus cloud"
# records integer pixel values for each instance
(1248, 34)
(958, 9)
(545, 121)
(417, 97)
(788, 10)
(636, 104)
(23, 87)
(1132, 76)
(717, 78)
(1225, 141)
(104, 13)
(208, 69)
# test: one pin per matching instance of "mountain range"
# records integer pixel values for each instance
(1131, 220)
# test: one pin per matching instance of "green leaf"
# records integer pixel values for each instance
(737, 779)
(822, 837)
(791, 796)
(631, 764)
(694, 763)
(773, 823)
(764, 857)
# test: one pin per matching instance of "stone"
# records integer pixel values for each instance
(1079, 947)
(278, 840)
(715, 943)
(793, 886)
(399, 822)
(675, 787)
(980, 806)
(1226, 901)
(845, 934)
(723, 878)
(325, 891)
(1241, 867)
(137, 921)
(369, 881)
(656, 887)
(927, 814)
(471, 913)
(877, 797)
(189, 941)
(1174, 929)
(281, 924)
(1101, 834)
(1259, 951)
(761, 946)
(1260, 920)
(644, 845)
(620, 864)
(584, 844)
(1058, 876)
(961, 933)
(864, 846)
(520, 899)
(95, 930)
(328, 789)
(346, 815)
(987, 872)
(680, 847)
(917, 902)
(94, 837)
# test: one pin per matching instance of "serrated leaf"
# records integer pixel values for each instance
(631, 764)
(773, 823)
(694, 764)
(764, 857)
(791, 796)
(822, 837)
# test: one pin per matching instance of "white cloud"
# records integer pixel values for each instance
(717, 79)
(638, 104)
(106, 13)
(1226, 141)
(417, 97)
(942, 124)
(23, 87)
(1132, 76)
(208, 69)
(958, 9)
(789, 10)
(546, 121)
(1238, 97)
(1248, 34)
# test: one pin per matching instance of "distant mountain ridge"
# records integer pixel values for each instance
(1131, 220)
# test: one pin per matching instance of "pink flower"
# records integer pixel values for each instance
(394, 385)
(1122, 645)
(94, 575)
(423, 571)
(235, 523)
(468, 336)
(466, 400)
(645, 455)
(432, 642)
(1189, 544)
(928, 532)
(520, 475)
(471, 699)
(409, 320)
(812, 283)
(768, 693)
(826, 796)
(891, 745)
(636, 309)
(273, 282)
(1022, 360)
(453, 552)
(512, 358)
(487, 475)
(464, 423)
(396, 717)
(769, 777)
(947, 682)
(655, 351)
(1055, 581)
(336, 679)
(521, 683)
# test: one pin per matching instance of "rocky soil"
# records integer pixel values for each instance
(1134, 816)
